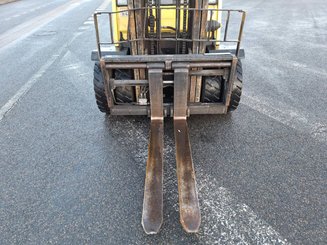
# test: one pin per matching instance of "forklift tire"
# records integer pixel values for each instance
(124, 94)
(237, 88)
(100, 95)
(213, 89)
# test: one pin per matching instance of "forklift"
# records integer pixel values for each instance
(168, 58)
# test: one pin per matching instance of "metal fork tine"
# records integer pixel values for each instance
(190, 216)
(152, 216)
(189, 210)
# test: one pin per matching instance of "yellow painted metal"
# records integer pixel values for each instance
(120, 20)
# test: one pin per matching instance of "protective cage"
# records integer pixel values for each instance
(200, 35)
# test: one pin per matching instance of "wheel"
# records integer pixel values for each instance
(212, 89)
(100, 95)
(237, 88)
(124, 94)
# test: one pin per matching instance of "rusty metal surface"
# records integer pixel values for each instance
(181, 84)
(152, 215)
(194, 109)
(240, 34)
(206, 108)
(215, 64)
(156, 91)
(219, 72)
(190, 216)
(97, 34)
(189, 210)
(230, 82)
(106, 76)
(173, 58)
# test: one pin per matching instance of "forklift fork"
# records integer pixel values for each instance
(152, 216)
(190, 217)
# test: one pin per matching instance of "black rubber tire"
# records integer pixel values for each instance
(212, 87)
(124, 94)
(100, 95)
(237, 88)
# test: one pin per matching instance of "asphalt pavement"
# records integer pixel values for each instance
(71, 175)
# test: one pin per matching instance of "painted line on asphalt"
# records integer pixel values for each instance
(31, 26)
(29, 84)
(88, 22)
(35, 78)
(83, 28)
(288, 116)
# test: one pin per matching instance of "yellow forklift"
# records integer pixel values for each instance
(168, 58)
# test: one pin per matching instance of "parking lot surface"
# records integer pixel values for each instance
(72, 175)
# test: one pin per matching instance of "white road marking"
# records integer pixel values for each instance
(84, 28)
(34, 24)
(29, 84)
(25, 88)
(88, 22)
(84, 74)
(35, 78)
(288, 116)
(72, 67)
